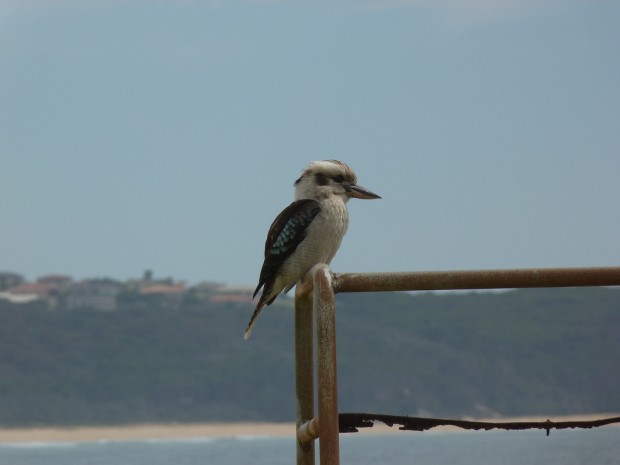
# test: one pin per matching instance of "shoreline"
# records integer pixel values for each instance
(144, 431)
(173, 431)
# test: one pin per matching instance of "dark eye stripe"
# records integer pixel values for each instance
(339, 178)
(321, 179)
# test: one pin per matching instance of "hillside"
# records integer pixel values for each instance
(547, 351)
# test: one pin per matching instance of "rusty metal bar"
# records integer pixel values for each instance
(478, 279)
(350, 422)
(325, 310)
(308, 431)
(315, 295)
(304, 371)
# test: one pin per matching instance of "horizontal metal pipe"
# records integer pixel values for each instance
(477, 279)
(308, 431)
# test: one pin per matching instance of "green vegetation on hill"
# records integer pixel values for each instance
(546, 351)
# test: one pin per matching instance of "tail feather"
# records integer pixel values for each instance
(248, 330)
(271, 290)
(266, 299)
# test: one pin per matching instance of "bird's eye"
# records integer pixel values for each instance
(339, 179)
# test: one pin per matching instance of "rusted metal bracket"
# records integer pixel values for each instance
(350, 422)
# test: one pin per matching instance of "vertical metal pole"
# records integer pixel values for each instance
(304, 369)
(325, 310)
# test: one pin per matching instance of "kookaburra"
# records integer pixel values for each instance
(309, 230)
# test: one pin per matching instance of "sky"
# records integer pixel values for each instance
(166, 135)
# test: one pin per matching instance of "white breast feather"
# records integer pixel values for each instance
(321, 243)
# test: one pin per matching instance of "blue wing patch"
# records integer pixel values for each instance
(292, 230)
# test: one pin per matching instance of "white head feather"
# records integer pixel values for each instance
(324, 178)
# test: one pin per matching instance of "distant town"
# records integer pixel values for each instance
(105, 294)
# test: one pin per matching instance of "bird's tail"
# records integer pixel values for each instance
(269, 295)
(248, 330)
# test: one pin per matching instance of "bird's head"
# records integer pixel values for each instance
(322, 179)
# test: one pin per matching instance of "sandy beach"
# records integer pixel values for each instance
(213, 430)
(144, 431)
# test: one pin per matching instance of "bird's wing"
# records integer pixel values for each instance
(285, 234)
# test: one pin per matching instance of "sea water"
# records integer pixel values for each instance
(566, 447)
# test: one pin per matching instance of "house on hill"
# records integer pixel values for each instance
(165, 295)
(97, 294)
(30, 292)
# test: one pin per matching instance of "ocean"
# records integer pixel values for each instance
(567, 447)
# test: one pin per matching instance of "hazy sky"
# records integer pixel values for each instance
(167, 135)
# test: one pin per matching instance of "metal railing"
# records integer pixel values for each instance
(315, 295)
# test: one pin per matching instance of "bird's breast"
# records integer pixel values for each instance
(324, 235)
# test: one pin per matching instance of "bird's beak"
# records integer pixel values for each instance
(360, 192)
